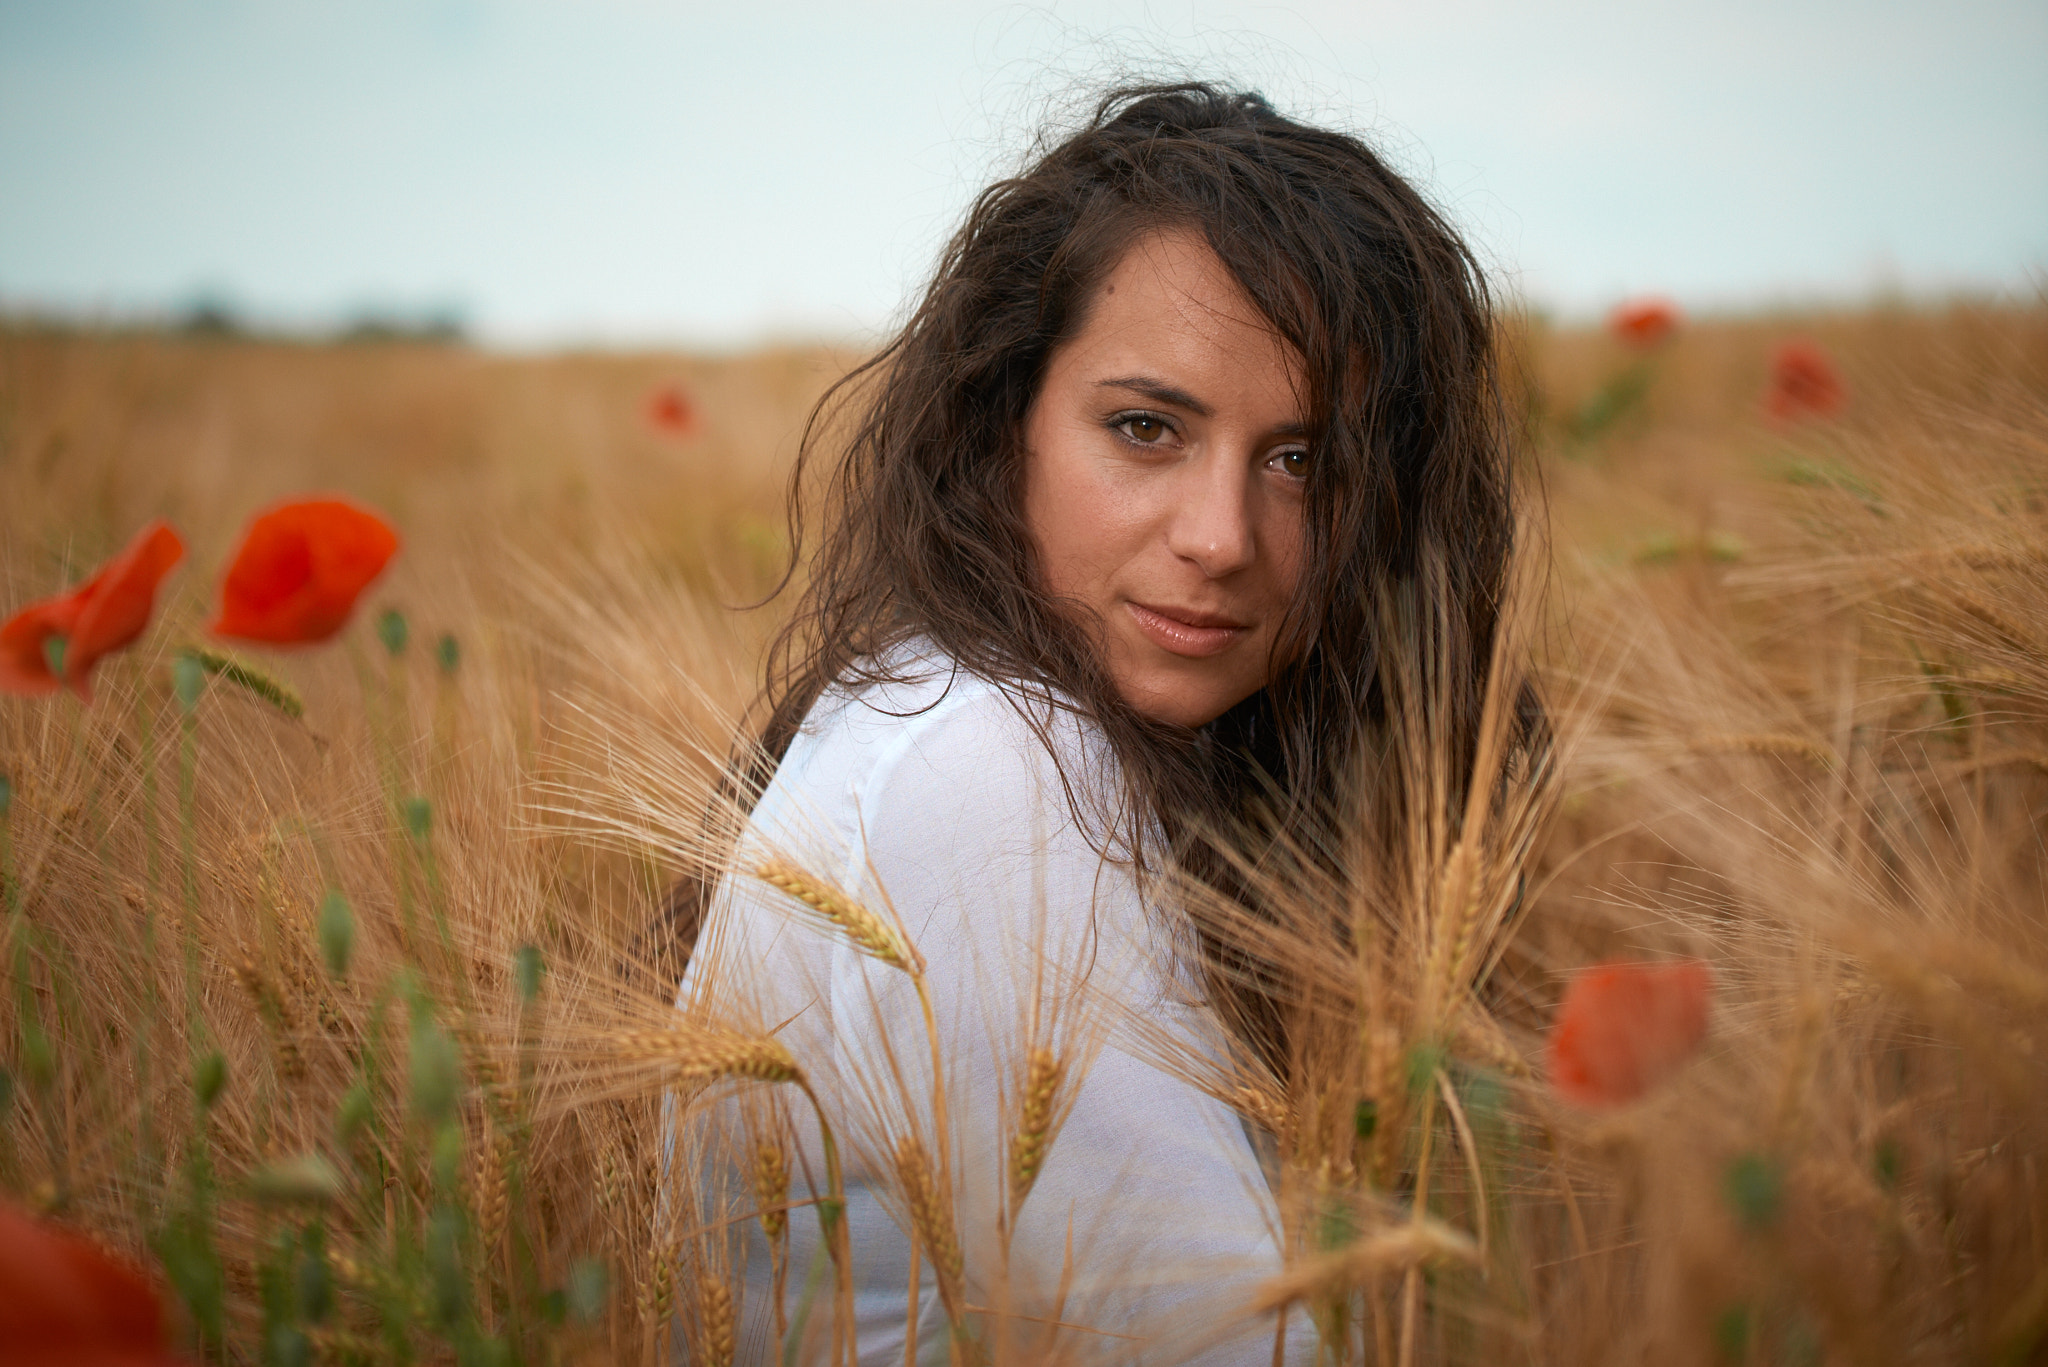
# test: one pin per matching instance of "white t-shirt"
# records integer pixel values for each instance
(1150, 1222)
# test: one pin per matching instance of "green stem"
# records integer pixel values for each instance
(832, 1223)
(188, 854)
(145, 1030)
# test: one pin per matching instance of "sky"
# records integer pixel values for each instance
(631, 172)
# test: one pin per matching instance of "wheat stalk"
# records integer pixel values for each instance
(867, 930)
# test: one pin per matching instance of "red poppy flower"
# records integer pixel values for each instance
(100, 616)
(1644, 323)
(669, 410)
(1804, 382)
(1625, 1027)
(63, 1300)
(299, 571)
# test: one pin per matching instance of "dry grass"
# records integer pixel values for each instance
(1800, 679)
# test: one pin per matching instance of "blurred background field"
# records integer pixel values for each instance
(324, 969)
(1802, 660)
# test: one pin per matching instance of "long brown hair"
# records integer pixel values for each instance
(923, 533)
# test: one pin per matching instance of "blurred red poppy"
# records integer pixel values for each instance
(1805, 382)
(1625, 1027)
(64, 1300)
(669, 410)
(299, 571)
(73, 630)
(1644, 323)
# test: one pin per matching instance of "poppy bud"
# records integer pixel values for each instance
(1754, 1186)
(188, 680)
(209, 1078)
(355, 1111)
(447, 1156)
(38, 1059)
(526, 970)
(419, 818)
(436, 1071)
(337, 931)
(589, 1289)
(305, 1179)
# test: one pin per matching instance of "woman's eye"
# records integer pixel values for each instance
(1293, 462)
(1143, 429)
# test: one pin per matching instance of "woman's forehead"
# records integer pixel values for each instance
(1171, 303)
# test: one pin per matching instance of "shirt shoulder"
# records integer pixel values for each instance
(936, 750)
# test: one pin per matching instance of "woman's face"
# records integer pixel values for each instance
(1164, 460)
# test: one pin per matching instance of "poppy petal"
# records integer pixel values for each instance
(1644, 323)
(24, 660)
(1625, 1027)
(118, 601)
(299, 571)
(1804, 383)
(101, 615)
(64, 1299)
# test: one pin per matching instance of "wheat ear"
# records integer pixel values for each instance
(1262, 1108)
(493, 1161)
(1764, 743)
(771, 1195)
(771, 1188)
(714, 1303)
(277, 1014)
(1034, 1123)
(932, 1225)
(874, 936)
(707, 1055)
(657, 1293)
(1422, 1243)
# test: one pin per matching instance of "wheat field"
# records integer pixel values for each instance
(328, 994)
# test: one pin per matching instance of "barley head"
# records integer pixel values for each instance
(276, 1013)
(870, 932)
(1263, 1108)
(714, 1304)
(707, 1055)
(932, 1222)
(1034, 1122)
(771, 1188)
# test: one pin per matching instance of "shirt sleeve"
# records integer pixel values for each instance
(1150, 1218)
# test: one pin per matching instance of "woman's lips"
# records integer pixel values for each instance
(1204, 635)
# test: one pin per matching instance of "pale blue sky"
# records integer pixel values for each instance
(625, 171)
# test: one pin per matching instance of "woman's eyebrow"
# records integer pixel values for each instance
(1159, 391)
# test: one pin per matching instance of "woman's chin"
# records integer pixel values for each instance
(1172, 697)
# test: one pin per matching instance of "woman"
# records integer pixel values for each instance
(1184, 401)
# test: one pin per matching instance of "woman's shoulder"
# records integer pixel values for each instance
(915, 698)
(917, 724)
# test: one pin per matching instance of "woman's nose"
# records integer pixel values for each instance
(1210, 523)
